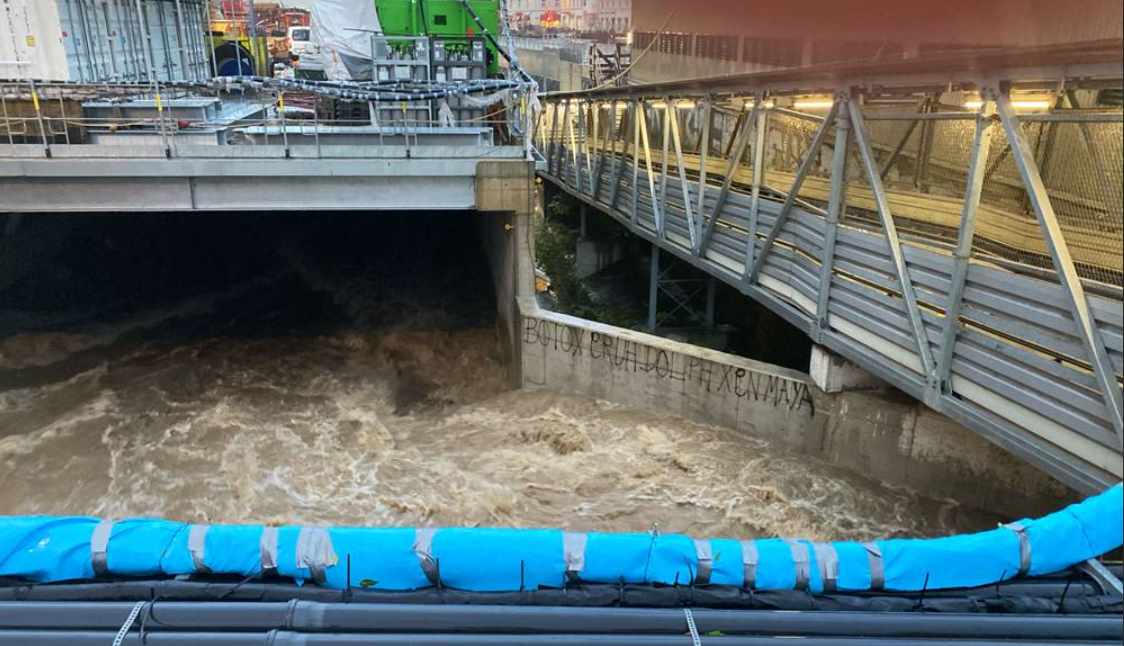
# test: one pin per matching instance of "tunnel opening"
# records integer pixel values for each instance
(64, 271)
(82, 290)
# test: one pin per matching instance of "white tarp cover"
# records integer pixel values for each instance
(341, 33)
(30, 45)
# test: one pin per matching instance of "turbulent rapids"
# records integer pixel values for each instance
(318, 372)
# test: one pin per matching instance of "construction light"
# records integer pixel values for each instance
(748, 105)
(1038, 104)
(813, 104)
(681, 105)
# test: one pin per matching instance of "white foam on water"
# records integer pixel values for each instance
(400, 428)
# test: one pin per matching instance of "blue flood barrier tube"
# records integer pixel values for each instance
(47, 549)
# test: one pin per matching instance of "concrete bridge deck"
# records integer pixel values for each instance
(93, 177)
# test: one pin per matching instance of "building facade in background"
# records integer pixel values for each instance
(731, 36)
(614, 16)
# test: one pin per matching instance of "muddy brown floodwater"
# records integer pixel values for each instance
(310, 392)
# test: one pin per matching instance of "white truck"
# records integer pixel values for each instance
(101, 41)
(300, 41)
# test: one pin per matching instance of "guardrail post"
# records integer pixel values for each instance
(590, 128)
(583, 162)
(836, 203)
(741, 140)
(575, 148)
(610, 141)
(39, 117)
(637, 116)
(4, 111)
(704, 168)
(657, 207)
(912, 310)
(762, 121)
(618, 173)
(284, 128)
(684, 186)
(552, 143)
(794, 192)
(1063, 261)
(668, 117)
(961, 256)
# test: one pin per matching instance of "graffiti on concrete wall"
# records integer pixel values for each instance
(632, 356)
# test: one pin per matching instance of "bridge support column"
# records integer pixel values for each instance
(508, 199)
(834, 374)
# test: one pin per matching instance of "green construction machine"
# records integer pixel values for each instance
(448, 21)
(416, 41)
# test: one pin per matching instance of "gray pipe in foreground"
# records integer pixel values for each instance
(281, 638)
(312, 617)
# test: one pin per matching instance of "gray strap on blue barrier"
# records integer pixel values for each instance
(197, 545)
(99, 547)
(706, 561)
(315, 553)
(877, 568)
(803, 564)
(1024, 546)
(423, 549)
(749, 562)
(268, 549)
(573, 544)
(827, 560)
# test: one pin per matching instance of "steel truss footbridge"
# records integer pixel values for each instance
(952, 225)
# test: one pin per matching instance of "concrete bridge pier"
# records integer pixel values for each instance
(835, 374)
(510, 202)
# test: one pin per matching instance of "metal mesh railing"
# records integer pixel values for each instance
(923, 165)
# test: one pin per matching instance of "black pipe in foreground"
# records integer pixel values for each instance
(311, 617)
(284, 638)
(1074, 587)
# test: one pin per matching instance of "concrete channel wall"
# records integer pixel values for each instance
(878, 433)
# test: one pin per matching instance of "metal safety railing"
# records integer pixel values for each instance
(952, 225)
(245, 119)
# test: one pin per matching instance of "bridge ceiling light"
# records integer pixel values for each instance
(748, 105)
(813, 104)
(1019, 104)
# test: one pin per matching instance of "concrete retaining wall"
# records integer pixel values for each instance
(880, 434)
